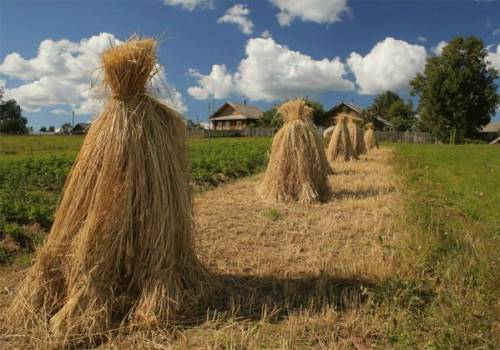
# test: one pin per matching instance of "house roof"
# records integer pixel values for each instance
(351, 105)
(360, 110)
(230, 117)
(491, 127)
(495, 141)
(246, 111)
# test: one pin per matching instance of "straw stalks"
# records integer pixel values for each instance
(297, 169)
(370, 137)
(356, 135)
(340, 147)
(121, 246)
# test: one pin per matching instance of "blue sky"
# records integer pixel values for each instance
(263, 51)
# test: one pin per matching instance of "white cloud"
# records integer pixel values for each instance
(438, 49)
(496, 31)
(190, 5)
(62, 74)
(319, 11)
(422, 39)
(266, 34)
(238, 14)
(60, 112)
(271, 72)
(390, 65)
(217, 84)
(494, 57)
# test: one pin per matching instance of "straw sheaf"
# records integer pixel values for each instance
(356, 135)
(370, 137)
(297, 169)
(340, 147)
(121, 246)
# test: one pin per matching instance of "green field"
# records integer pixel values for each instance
(451, 248)
(33, 170)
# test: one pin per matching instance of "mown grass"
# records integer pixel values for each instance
(450, 257)
(33, 170)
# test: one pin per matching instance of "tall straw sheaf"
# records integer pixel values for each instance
(370, 137)
(356, 135)
(297, 168)
(340, 147)
(121, 246)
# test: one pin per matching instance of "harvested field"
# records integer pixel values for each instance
(292, 276)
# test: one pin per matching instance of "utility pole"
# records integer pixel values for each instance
(73, 119)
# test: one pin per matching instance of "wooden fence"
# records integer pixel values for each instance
(387, 136)
(405, 137)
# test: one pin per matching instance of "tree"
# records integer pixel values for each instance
(457, 90)
(193, 126)
(11, 118)
(390, 106)
(271, 118)
(66, 128)
(43, 129)
(52, 128)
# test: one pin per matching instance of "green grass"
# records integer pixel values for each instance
(33, 170)
(452, 248)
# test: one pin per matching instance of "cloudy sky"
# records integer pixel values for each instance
(260, 50)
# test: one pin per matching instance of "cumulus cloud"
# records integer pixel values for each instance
(438, 49)
(319, 11)
(62, 73)
(190, 5)
(238, 14)
(266, 34)
(217, 84)
(270, 72)
(494, 57)
(390, 65)
(60, 111)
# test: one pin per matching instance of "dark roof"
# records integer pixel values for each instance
(80, 127)
(351, 105)
(250, 112)
(360, 110)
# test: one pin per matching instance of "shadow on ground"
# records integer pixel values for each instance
(255, 297)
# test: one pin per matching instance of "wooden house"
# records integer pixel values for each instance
(356, 111)
(234, 116)
(490, 132)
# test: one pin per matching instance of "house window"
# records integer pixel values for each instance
(219, 126)
(238, 125)
(228, 125)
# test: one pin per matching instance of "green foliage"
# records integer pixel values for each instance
(272, 214)
(33, 170)
(272, 119)
(457, 90)
(11, 118)
(66, 128)
(392, 108)
(453, 218)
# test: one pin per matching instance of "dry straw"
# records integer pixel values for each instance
(340, 147)
(121, 246)
(370, 137)
(356, 135)
(297, 168)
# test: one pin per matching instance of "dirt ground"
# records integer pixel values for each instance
(292, 276)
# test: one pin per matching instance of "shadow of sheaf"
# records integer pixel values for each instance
(253, 297)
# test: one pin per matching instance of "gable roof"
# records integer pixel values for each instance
(248, 111)
(495, 141)
(359, 110)
(350, 105)
(491, 127)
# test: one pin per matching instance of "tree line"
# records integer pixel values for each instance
(456, 93)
